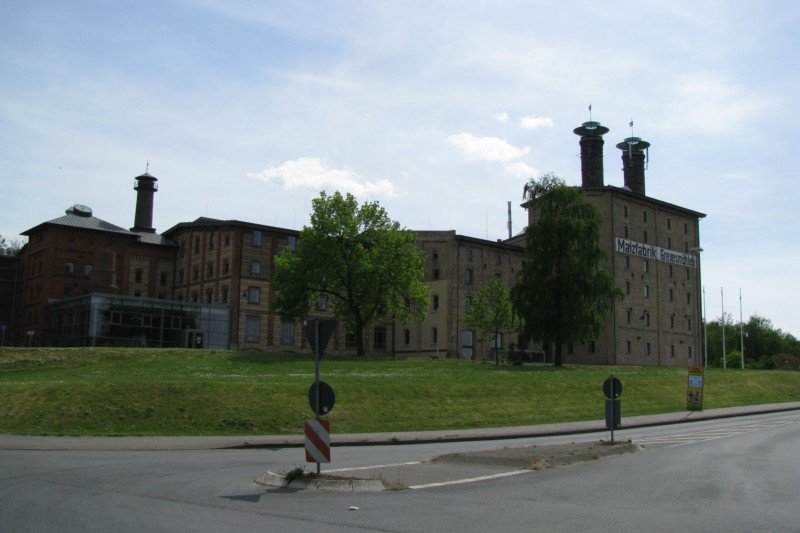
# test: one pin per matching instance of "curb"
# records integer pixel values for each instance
(272, 479)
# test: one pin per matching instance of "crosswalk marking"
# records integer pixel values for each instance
(683, 439)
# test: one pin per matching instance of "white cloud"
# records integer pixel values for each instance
(502, 117)
(315, 173)
(486, 148)
(532, 122)
(522, 170)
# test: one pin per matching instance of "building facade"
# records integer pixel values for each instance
(653, 253)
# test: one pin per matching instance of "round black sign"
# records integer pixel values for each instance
(612, 388)
(326, 398)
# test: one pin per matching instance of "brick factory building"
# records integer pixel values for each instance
(83, 281)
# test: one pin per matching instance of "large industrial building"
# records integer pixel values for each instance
(208, 283)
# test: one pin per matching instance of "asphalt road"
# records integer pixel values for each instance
(735, 474)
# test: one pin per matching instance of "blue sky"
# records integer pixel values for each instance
(440, 110)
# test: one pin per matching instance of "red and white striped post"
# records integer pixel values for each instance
(318, 441)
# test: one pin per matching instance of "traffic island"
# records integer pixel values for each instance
(539, 457)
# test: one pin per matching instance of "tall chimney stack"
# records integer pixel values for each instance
(591, 153)
(145, 188)
(633, 162)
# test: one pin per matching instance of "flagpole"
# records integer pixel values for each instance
(724, 353)
(705, 330)
(741, 327)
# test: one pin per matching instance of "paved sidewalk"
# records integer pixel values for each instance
(24, 442)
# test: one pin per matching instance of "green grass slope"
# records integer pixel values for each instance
(80, 391)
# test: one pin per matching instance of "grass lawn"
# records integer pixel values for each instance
(83, 391)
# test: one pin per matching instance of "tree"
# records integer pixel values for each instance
(562, 293)
(370, 267)
(491, 311)
(10, 247)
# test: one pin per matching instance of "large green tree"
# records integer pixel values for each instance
(491, 311)
(562, 293)
(370, 267)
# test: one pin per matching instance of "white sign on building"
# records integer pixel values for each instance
(648, 251)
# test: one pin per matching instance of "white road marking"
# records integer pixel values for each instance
(683, 439)
(371, 467)
(471, 479)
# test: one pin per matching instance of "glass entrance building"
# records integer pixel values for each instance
(113, 320)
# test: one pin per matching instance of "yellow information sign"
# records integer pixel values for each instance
(694, 392)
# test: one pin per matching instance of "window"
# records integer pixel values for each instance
(435, 335)
(469, 276)
(669, 242)
(669, 223)
(627, 287)
(627, 262)
(226, 267)
(349, 339)
(287, 333)
(67, 291)
(672, 350)
(435, 273)
(469, 254)
(406, 336)
(570, 348)
(688, 324)
(435, 255)
(255, 267)
(322, 302)
(197, 245)
(625, 211)
(379, 337)
(688, 298)
(686, 247)
(688, 275)
(180, 276)
(647, 349)
(195, 273)
(256, 238)
(209, 296)
(211, 241)
(138, 275)
(87, 270)
(644, 236)
(670, 270)
(671, 295)
(686, 228)
(252, 328)
(291, 242)
(194, 297)
(690, 352)
(163, 278)
(223, 295)
(253, 295)
(646, 319)
(628, 316)
(227, 239)
(497, 259)
(591, 347)
(625, 231)
(644, 216)
(647, 291)
(645, 265)
(628, 347)
(69, 267)
(672, 322)
(210, 270)
(435, 302)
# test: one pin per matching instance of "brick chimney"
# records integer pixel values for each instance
(145, 188)
(591, 142)
(633, 162)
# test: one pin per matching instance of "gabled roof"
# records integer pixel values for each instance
(86, 221)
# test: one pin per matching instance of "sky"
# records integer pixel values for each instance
(439, 110)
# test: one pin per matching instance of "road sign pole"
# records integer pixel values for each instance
(316, 383)
(612, 409)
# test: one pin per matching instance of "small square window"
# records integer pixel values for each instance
(255, 267)
(256, 240)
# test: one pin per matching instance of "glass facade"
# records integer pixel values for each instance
(111, 320)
